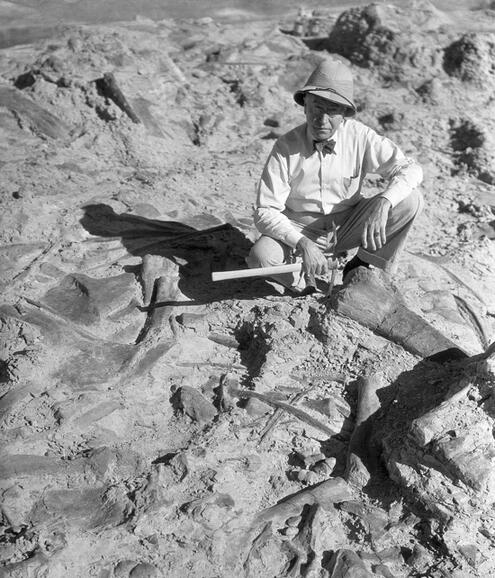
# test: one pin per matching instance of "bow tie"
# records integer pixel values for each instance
(326, 146)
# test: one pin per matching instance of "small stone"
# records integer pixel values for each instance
(224, 501)
(293, 521)
(395, 512)
(153, 539)
(144, 570)
(195, 321)
(180, 466)
(253, 462)
(256, 408)
(311, 460)
(302, 475)
(123, 568)
(308, 477)
(194, 404)
(146, 210)
(326, 467)
(272, 121)
(471, 553)
(223, 339)
(486, 369)
(346, 563)
(290, 531)
(382, 570)
(420, 559)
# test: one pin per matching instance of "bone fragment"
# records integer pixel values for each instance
(306, 545)
(325, 494)
(150, 271)
(471, 316)
(437, 422)
(166, 291)
(362, 456)
(370, 299)
(456, 278)
(278, 413)
(33, 265)
(175, 69)
(111, 89)
(299, 413)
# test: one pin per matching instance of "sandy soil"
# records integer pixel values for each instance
(155, 423)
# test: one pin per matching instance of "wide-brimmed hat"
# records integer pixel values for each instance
(331, 80)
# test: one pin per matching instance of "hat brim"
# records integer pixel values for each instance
(327, 95)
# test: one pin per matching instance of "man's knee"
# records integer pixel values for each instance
(266, 252)
(412, 205)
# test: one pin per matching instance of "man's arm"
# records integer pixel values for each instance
(273, 191)
(385, 158)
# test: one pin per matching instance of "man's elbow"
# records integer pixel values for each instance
(418, 174)
(411, 172)
(259, 217)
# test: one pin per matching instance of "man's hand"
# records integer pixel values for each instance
(374, 236)
(314, 262)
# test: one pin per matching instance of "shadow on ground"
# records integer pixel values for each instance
(197, 251)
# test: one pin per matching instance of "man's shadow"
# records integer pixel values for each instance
(197, 251)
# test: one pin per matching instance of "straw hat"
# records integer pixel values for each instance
(332, 80)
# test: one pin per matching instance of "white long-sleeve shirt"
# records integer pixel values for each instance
(301, 179)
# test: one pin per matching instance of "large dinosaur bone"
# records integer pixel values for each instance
(370, 299)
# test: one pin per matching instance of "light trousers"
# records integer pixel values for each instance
(267, 251)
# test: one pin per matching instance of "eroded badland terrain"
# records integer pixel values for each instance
(155, 423)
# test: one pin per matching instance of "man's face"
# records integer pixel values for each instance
(323, 116)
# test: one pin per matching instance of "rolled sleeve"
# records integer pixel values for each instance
(385, 158)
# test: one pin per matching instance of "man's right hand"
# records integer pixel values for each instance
(314, 262)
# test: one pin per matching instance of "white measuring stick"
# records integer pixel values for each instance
(258, 272)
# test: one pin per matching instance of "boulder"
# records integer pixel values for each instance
(470, 58)
(473, 146)
(390, 38)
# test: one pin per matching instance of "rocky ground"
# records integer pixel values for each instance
(155, 423)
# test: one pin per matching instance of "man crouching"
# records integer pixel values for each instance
(311, 185)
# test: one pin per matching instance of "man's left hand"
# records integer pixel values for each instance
(374, 232)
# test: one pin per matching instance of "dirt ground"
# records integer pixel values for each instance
(155, 423)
